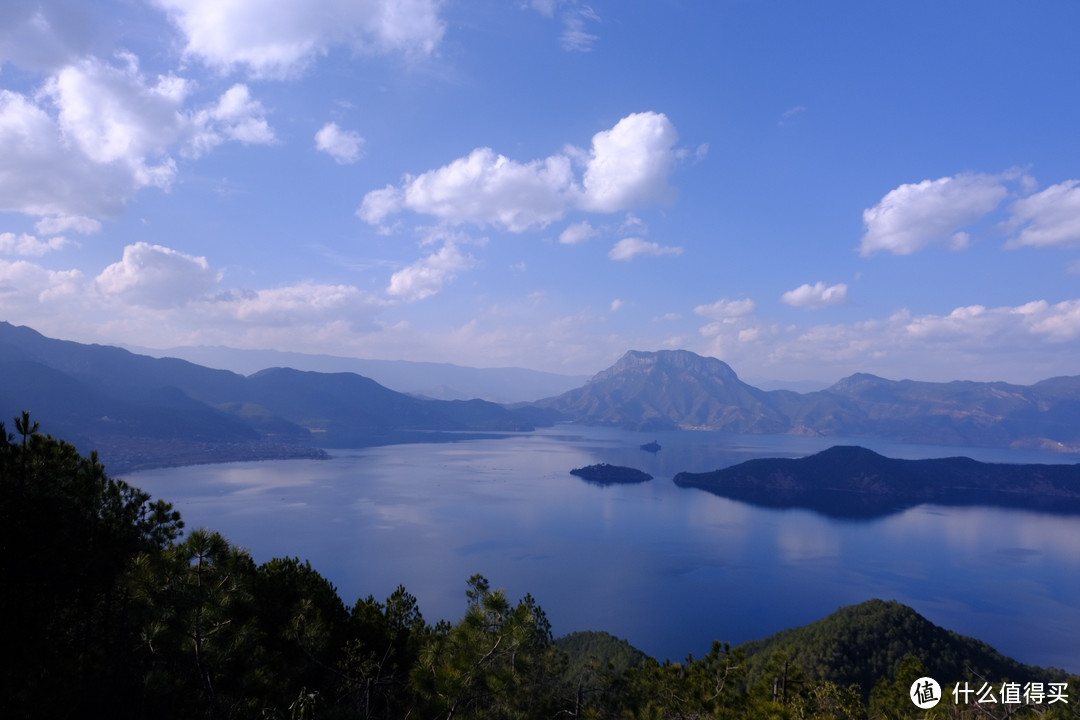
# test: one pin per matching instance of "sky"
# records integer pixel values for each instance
(803, 190)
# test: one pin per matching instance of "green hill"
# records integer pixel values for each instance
(861, 644)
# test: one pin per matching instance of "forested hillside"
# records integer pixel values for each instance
(115, 612)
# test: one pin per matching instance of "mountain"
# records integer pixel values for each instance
(669, 389)
(140, 411)
(440, 381)
(862, 643)
(850, 481)
(678, 389)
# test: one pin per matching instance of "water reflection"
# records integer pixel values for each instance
(668, 568)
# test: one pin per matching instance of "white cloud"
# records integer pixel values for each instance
(44, 35)
(816, 296)
(97, 133)
(791, 113)
(575, 37)
(41, 175)
(282, 41)
(61, 223)
(114, 118)
(428, 276)
(617, 304)
(628, 166)
(724, 309)
(289, 305)
(30, 290)
(489, 189)
(157, 276)
(577, 233)
(933, 211)
(380, 204)
(236, 116)
(1050, 217)
(28, 245)
(630, 163)
(345, 146)
(574, 16)
(629, 248)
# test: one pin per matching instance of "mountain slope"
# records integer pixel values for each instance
(440, 381)
(862, 643)
(678, 389)
(669, 389)
(141, 411)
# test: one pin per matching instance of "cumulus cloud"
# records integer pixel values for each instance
(41, 175)
(1050, 217)
(629, 248)
(236, 116)
(577, 233)
(933, 211)
(630, 163)
(489, 189)
(816, 296)
(429, 275)
(113, 117)
(345, 146)
(61, 223)
(28, 245)
(27, 289)
(628, 166)
(157, 276)
(283, 42)
(725, 309)
(97, 133)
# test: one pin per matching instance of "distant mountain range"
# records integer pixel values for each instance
(139, 411)
(849, 481)
(678, 389)
(439, 381)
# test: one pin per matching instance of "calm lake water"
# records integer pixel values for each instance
(669, 569)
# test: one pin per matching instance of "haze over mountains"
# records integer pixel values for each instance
(439, 381)
(140, 411)
(678, 389)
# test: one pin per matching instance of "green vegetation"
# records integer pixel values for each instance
(112, 613)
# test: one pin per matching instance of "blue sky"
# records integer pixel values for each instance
(804, 190)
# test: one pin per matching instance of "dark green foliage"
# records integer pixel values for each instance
(591, 653)
(68, 536)
(863, 643)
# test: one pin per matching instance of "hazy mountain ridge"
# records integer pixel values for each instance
(140, 411)
(678, 389)
(439, 381)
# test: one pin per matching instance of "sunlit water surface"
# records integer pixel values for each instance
(669, 569)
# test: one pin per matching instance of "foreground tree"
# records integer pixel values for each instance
(69, 535)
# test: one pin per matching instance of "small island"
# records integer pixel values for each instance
(653, 447)
(853, 482)
(606, 474)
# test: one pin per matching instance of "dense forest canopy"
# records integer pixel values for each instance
(115, 612)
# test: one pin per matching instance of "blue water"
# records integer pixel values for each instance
(669, 569)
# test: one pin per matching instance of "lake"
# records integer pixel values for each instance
(669, 569)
